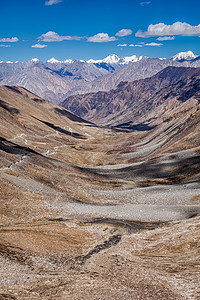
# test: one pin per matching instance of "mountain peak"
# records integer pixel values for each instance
(126, 59)
(112, 59)
(68, 61)
(188, 55)
(35, 60)
(53, 61)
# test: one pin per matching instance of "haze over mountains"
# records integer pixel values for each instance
(55, 80)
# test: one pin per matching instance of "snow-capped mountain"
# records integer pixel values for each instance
(127, 59)
(55, 61)
(35, 60)
(69, 61)
(188, 55)
(114, 59)
(110, 59)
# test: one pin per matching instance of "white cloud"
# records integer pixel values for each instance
(39, 46)
(132, 45)
(52, 36)
(51, 2)
(166, 38)
(145, 3)
(177, 28)
(153, 44)
(5, 46)
(124, 32)
(122, 45)
(101, 38)
(9, 40)
(148, 44)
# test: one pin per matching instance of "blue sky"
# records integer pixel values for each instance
(94, 29)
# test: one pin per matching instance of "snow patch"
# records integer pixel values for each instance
(53, 61)
(114, 59)
(188, 55)
(68, 61)
(34, 60)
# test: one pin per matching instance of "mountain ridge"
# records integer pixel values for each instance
(111, 59)
(56, 80)
(106, 107)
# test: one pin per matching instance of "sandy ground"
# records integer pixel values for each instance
(133, 212)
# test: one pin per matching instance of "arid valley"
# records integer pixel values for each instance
(98, 212)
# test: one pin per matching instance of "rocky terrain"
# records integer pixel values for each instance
(50, 80)
(99, 212)
(145, 102)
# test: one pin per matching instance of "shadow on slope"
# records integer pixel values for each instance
(14, 89)
(138, 127)
(10, 109)
(59, 129)
(70, 116)
(10, 147)
(171, 171)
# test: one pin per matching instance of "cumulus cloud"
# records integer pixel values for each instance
(9, 40)
(153, 44)
(52, 36)
(145, 3)
(132, 45)
(39, 46)
(51, 2)
(101, 38)
(166, 38)
(124, 32)
(148, 44)
(122, 45)
(5, 46)
(177, 28)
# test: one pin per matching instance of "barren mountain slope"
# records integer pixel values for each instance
(159, 106)
(90, 212)
(135, 98)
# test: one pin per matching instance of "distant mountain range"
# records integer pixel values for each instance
(56, 80)
(148, 101)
